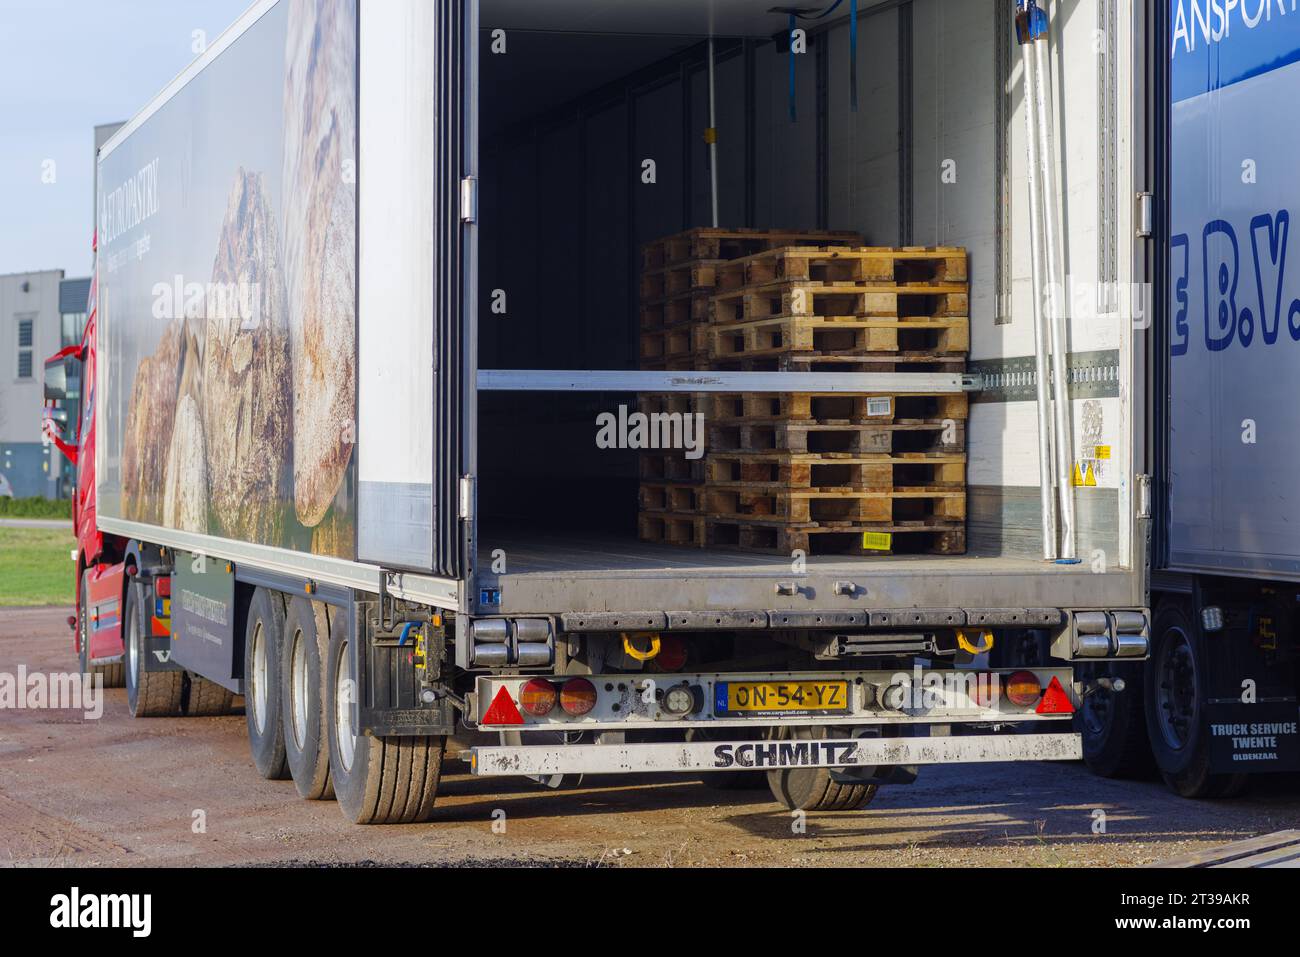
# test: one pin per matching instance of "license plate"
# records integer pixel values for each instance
(781, 697)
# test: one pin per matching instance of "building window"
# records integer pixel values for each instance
(26, 340)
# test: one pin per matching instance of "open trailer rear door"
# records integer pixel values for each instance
(411, 255)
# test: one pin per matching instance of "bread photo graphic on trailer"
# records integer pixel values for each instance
(247, 393)
(149, 420)
(185, 482)
(318, 226)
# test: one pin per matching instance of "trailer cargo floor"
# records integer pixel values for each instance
(556, 573)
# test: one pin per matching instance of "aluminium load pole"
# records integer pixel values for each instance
(1047, 493)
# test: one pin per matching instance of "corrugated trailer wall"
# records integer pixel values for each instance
(934, 155)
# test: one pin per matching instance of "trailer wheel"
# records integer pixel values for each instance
(304, 652)
(149, 694)
(263, 639)
(1113, 726)
(813, 789)
(114, 674)
(1175, 691)
(376, 780)
(206, 699)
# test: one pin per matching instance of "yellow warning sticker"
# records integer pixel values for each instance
(877, 541)
(1078, 475)
(1102, 452)
(1090, 477)
(1085, 476)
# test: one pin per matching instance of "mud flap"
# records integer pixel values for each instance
(1250, 714)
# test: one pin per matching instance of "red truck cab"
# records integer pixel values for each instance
(102, 560)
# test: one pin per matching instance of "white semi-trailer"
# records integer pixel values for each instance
(368, 277)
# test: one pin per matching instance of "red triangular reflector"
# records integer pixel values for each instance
(1055, 700)
(503, 710)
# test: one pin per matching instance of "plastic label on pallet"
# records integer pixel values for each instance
(877, 541)
(880, 407)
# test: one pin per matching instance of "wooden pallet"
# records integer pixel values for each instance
(710, 243)
(934, 538)
(786, 470)
(675, 498)
(836, 265)
(834, 408)
(836, 505)
(838, 439)
(673, 403)
(846, 299)
(675, 342)
(669, 529)
(833, 362)
(839, 336)
(670, 466)
(675, 310)
(697, 275)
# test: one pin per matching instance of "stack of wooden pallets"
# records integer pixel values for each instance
(835, 473)
(678, 281)
(822, 473)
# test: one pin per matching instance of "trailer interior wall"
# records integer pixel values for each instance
(934, 155)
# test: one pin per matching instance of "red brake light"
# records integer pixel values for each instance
(537, 697)
(1023, 689)
(162, 586)
(672, 653)
(577, 696)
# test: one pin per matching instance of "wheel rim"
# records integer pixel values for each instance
(1097, 712)
(83, 635)
(345, 733)
(1176, 702)
(298, 689)
(258, 679)
(133, 649)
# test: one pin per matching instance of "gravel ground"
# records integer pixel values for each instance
(116, 791)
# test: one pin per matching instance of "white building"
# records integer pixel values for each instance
(30, 332)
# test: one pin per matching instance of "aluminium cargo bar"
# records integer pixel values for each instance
(900, 383)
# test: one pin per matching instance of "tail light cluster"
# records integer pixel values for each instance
(1023, 689)
(575, 696)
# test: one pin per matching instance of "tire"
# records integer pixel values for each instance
(1113, 728)
(303, 654)
(377, 780)
(813, 789)
(114, 674)
(206, 699)
(263, 640)
(149, 694)
(1174, 690)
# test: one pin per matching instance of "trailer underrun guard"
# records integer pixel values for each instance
(768, 755)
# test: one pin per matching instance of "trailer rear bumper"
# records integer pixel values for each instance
(768, 755)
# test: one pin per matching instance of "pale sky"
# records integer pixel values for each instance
(67, 66)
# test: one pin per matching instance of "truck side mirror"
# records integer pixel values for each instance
(56, 380)
(57, 377)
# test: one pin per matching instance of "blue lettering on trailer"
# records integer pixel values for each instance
(1220, 42)
(1227, 319)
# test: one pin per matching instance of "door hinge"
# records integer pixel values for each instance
(469, 199)
(1146, 215)
(1144, 496)
(467, 497)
